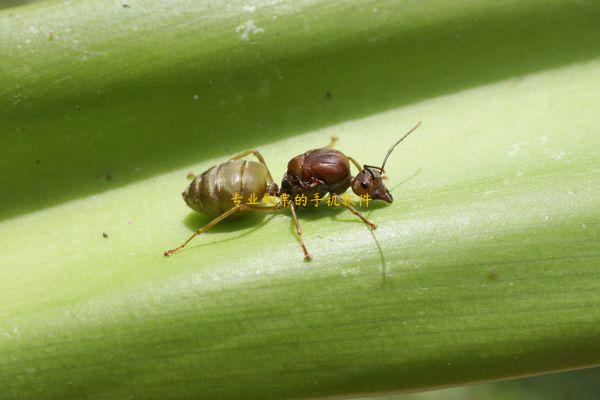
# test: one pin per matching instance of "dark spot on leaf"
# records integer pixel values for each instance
(328, 94)
(126, 6)
(104, 235)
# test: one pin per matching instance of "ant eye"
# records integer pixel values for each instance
(364, 185)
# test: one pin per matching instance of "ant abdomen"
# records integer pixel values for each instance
(212, 193)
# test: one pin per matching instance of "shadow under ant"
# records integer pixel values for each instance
(417, 172)
(312, 213)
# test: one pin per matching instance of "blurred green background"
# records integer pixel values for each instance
(582, 384)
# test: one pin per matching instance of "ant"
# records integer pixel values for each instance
(317, 172)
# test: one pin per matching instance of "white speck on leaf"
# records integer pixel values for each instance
(555, 155)
(249, 9)
(514, 149)
(247, 29)
(196, 97)
(349, 271)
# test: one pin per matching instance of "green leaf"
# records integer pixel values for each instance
(484, 267)
(581, 384)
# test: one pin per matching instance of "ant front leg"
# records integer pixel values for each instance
(359, 168)
(356, 164)
(356, 212)
(314, 182)
(306, 185)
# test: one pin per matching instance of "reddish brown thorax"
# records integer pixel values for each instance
(319, 171)
(327, 170)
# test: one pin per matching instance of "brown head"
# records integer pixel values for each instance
(370, 179)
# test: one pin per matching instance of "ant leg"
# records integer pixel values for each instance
(333, 141)
(313, 181)
(239, 207)
(356, 164)
(307, 256)
(204, 229)
(357, 213)
(260, 158)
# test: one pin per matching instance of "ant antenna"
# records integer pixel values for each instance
(395, 144)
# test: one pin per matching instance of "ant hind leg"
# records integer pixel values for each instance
(260, 158)
(203, 229)
(215, 221)
(332, 142)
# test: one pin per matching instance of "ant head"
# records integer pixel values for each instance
(370, 179)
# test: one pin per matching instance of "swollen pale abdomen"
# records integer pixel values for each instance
(212, 192)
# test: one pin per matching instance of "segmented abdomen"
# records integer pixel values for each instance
(212, 192)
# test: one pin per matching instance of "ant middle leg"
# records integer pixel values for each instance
(215, 221)
(307, 256)
(357, 213)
